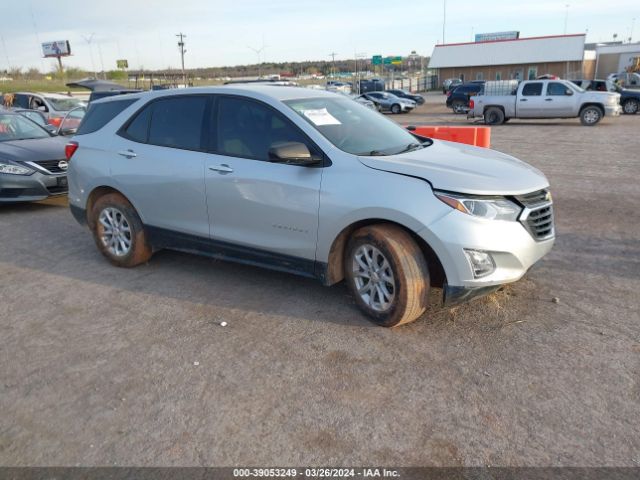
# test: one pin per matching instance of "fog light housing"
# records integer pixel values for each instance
(482, 263)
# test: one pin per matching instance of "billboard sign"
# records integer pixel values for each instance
(492, 37)
(59, 48)
(124, 64)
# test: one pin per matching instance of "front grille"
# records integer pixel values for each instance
(50, 166)
(537, 216)
(535, 198)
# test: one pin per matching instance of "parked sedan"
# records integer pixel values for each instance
(387, 102)
(450, 83)
(419, 99)
(32, 164)
(54, 106)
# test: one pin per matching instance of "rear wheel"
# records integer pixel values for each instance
(387, 274)
(458, 106)
(493, 116)
(395, 108)
(590, 115)
(630, 107)
(118, 231)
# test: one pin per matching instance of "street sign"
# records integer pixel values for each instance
(387, 60)
(376, 60)
(124, 64)
(396, 60)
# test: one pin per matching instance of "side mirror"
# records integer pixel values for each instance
(65, 132)
(292, 153)
(568, 92)
(42, 108)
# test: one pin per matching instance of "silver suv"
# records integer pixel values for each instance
(306, 182)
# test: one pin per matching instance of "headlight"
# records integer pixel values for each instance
(12, 169)
(491, 208)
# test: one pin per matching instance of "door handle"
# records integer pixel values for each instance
(224, 168)
(127, 153)
(548, 99)
(523, 99)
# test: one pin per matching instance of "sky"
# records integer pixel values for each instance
(227, 32)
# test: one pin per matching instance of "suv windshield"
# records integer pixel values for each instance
(64, 104)
(16, 127)
(354, 128)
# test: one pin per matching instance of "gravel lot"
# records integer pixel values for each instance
(104, 366)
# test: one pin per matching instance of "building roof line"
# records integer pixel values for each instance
(511, 40)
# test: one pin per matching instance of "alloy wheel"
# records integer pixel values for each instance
(116, 231)
(591, 116)
(373, 277)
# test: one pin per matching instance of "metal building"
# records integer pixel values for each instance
(520, 59)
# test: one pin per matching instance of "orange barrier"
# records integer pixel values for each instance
(478, 136)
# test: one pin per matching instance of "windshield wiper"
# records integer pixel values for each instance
(410, 147)
(373, 153)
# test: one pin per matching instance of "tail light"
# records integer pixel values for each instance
(55, 121)
(448, 93)
(69, 149)
(471, 104)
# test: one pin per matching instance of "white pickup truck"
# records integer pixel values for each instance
(542, 99)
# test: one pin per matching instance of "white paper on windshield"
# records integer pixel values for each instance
(320, 116)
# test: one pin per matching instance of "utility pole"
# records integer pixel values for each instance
(258, 51)
(566, 17)
(333, 61)
(182, 36)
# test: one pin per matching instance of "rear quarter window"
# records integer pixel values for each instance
(99, 114)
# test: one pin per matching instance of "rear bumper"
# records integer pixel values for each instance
(31, 188)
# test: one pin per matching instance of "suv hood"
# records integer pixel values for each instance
(457, 167)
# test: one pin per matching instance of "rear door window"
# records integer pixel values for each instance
(138, 128)
(99, 114)
(177, 122)
(532, 89)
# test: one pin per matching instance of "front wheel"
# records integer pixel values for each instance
(591, 115)
(630, 107)
(118, 231)
(395, 108)
(387, 274)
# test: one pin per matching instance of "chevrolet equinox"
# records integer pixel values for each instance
(306, 182)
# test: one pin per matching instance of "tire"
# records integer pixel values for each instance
(388, 254)
(630, 107)
(115, 211)
(591, 115)
(458, 106)
(395, 109)
(493, 116)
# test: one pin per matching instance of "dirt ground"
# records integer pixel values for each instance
(105, 366)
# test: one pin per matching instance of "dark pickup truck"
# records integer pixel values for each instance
(629, 99)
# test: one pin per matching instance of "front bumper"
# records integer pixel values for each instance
(613, 111)
(512, 248)
(407, 108)
(31, 188)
